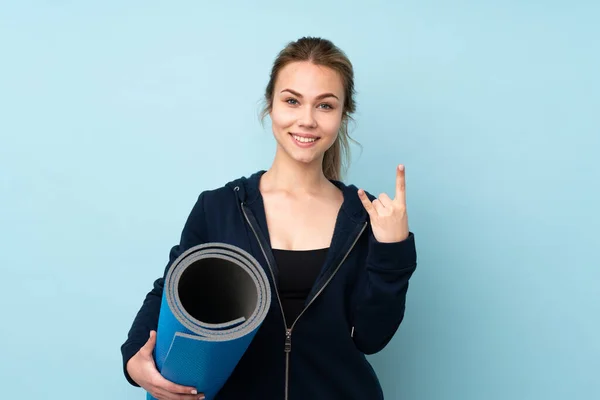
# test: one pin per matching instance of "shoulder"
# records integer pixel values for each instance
(350, 188)
(218, 196)
(351, 200)
(231, 192)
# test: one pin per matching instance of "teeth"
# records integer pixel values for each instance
(303, 139)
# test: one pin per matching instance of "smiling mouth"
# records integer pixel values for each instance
(303, 139)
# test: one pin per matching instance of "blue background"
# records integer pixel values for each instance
(114, 117)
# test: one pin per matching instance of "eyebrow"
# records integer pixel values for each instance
(319, 97)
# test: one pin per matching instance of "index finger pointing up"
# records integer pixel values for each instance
(400, 184)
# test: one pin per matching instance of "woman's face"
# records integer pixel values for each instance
(307, 110)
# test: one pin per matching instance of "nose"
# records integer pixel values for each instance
(307, 119)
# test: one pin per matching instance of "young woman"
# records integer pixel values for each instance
(339, 260)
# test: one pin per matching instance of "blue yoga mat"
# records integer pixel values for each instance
(215, 298)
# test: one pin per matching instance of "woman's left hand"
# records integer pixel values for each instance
(389, 220)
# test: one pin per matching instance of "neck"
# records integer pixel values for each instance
(292, 176)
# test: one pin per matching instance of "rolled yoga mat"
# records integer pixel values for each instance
(215, 298)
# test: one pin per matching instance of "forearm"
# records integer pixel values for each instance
(145, 321)
(383, 290)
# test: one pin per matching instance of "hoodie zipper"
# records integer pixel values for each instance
(288, 331)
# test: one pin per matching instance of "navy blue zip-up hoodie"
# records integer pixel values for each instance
(356, 305)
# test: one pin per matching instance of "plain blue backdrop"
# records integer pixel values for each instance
(115, 115)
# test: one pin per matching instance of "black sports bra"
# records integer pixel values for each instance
(298, 270)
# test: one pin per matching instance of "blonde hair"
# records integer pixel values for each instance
(321, 52)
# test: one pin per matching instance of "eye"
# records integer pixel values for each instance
(326, 106)
(291, 101)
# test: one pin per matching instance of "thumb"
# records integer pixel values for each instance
(148, 348)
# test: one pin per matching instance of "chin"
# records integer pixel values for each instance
(307, 161)
(303, 158)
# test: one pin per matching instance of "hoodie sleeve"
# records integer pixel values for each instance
(147, 316)
(382, 295)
